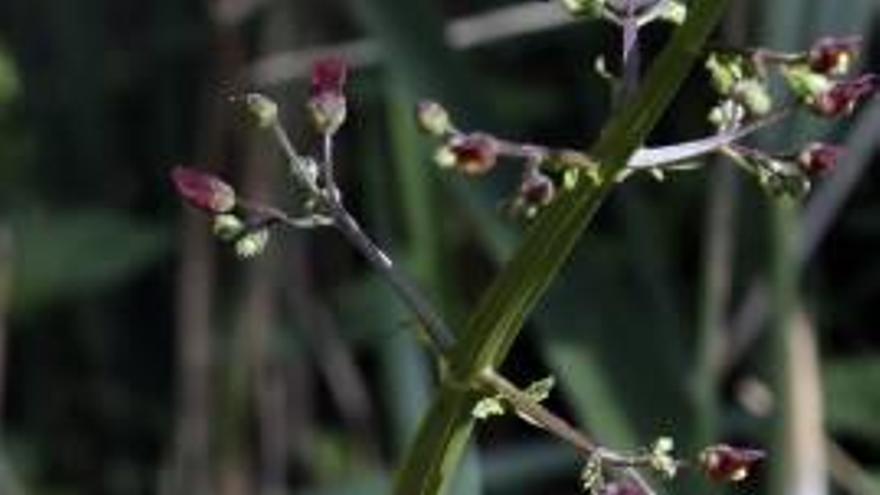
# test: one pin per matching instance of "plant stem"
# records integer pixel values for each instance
(441, 336)
(330, 203)
(560, 428)
(501, 313)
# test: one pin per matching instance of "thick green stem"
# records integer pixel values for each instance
(501, 313)
(784, 288)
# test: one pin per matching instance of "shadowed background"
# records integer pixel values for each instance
(138, 356)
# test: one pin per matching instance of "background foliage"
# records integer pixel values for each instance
(139, 357)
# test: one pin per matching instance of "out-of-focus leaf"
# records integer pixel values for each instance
(9, 83)
(67, 254)
(852, 396)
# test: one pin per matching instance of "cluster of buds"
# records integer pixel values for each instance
(789, 174)
(247, 226)
(814, 77)
(478, 153)
(740, 81)
(210, 194)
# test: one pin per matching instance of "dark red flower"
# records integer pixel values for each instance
(843, 98)
(833, 56)
(725, 463)
(327, 104)
(203, 190)
(475, 154)
(819, 158)
(329, 76)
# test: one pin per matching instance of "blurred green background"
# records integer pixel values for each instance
(138, 356)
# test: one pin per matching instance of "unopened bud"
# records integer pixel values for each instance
(806, 84)
(724, 463)
(843, 98)
(252, 243)
(726, 71)
(203, 190)
(537, 190)
(263, 109)
(833, 56)
(754, 96)
(227, 226)
(475, 154)
(444, 157)
(433, 118)
(327, 104)
(674, 12)
(819, 158)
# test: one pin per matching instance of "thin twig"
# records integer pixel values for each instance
(328, 202)
(561, 429)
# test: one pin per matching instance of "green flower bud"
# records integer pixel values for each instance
(227, 226)
(444, 157)
(433, 118)
(674, 12)
(754, 96)
(252, 243)
(263, 109)
(725, 71)
(806, 84)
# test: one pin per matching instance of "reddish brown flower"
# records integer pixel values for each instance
(203, 190)
(475, 154)
(725, 463)
(327, 105)
(833, 56)
(843, 98)
(329, 76)
(537, 189)
(819, 158)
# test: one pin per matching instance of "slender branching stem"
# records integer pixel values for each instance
(546, 419)
(328, 202)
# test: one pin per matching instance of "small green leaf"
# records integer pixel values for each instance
(540, 390)
(488, 407)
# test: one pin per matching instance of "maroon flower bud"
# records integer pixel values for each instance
(833, 56)
(327, 104)
(819, 158)
(843, 98)
(724, 463)
(537, 189)
(329, 76)
(475, 154)
(203, 190)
